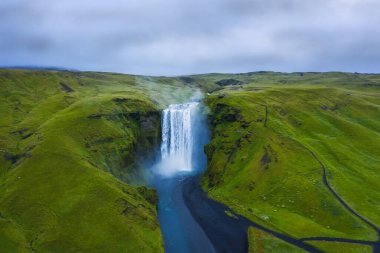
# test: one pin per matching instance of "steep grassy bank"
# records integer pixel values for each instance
(69, 142)
(298, 153)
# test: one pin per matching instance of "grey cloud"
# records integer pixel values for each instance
(167, 37)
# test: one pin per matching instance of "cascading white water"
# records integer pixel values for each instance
(177, 138)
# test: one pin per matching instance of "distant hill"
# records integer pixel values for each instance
(39, 68)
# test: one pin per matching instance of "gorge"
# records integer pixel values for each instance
(184, 133)
(264, 162)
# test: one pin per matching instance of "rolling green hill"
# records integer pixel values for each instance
(297, 153)
(70, 148)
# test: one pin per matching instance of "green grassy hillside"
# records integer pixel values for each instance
(285, 147)
(70, 144)
(297, 153)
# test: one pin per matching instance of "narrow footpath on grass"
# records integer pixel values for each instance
(374, 244)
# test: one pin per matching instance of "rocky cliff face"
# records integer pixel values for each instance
(133, 156)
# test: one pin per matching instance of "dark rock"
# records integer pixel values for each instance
(134, 116)
(13, 158)
(147, 123)
(333, 108)
(227, 113)
(120, 100)
(24, 133)
(128, 207)
(65, 87)
(245, 124)
(251, 186)
(209, 150)
(282, 112)
(103, 140)
(266, 158)
(149, 194)
(225, 82)
(186, 79)
(27, 136)
(95, 116)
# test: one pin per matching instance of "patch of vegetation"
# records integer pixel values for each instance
(262, 242)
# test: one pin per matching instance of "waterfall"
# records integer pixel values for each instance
(177, 138)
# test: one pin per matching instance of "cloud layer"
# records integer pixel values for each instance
(170, 37)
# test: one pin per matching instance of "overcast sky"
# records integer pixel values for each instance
(171, 37)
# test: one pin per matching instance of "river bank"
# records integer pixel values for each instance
(227, 233)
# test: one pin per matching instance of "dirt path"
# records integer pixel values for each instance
(375, 245)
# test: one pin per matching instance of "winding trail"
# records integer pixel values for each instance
(375, 244)
(229, 234)
(330, 239)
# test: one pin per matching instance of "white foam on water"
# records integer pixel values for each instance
(177, 139)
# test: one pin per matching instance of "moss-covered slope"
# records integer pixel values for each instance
(68, 143)
(298, 156)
